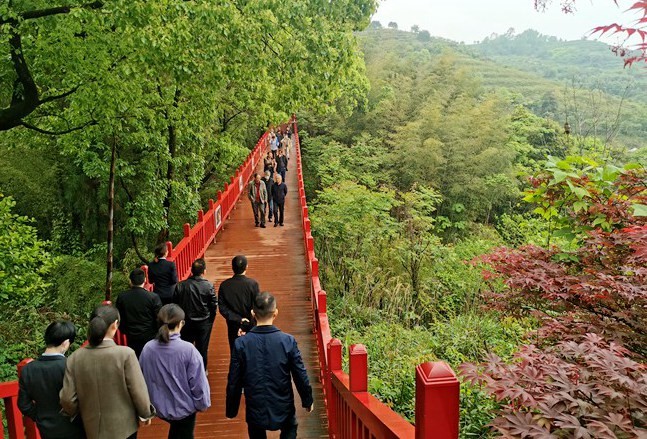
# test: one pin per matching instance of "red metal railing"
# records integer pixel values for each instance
(352, 411)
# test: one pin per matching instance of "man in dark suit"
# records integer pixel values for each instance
(162, 274)
(236, 297)
(197, 297)
(263, 364)
(279, 191)
(138, 309)
(41, 381)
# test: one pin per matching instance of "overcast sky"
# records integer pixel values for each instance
(473, 20)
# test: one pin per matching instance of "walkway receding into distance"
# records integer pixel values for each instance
(277, 261)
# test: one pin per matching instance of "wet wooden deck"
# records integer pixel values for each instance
(277, 261)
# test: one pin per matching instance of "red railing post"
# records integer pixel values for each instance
(322, 302)
(315, 267)
(358, 368)
(437, 401)
(334, 364)
(9, 394)
(200, 215)
(169, 248)
(186, 228)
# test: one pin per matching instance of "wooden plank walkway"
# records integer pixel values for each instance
(277, 261)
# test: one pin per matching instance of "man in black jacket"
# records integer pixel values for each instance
(263, 364)
(279, 191)
(197, 297)
(41, 381)
(162, 274)
(236, 297)
(138, 309)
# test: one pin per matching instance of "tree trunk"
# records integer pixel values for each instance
(111, 212)
(170, 170)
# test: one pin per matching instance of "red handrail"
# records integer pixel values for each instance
(352, 411)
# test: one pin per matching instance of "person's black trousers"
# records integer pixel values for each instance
(198, 333)
(288, 430)
(278, 213)
(136, 344)
(269, 207)
(232, 333)
(182, 429)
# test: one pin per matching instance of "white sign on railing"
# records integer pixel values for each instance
(218, 217)
(240, 183)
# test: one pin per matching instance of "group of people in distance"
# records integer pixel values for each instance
(105, 391)
(267, 192)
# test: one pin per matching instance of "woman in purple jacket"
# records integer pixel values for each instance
(175, 375)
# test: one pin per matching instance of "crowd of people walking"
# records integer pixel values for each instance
(107, 391)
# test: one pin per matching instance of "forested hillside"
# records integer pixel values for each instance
(456, 220)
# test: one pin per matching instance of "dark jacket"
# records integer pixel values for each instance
(164, 275)
(40, 382)
(197, 297)
(269, 184)
(263, 363)
(138, 309)
(236, 297)
(281, 163)
(279, 191)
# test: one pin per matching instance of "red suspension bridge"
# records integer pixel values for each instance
(283, 261)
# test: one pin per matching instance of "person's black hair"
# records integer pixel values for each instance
(59, 331)
(264, 305)
(160, 250)
(137, 277)
(198, 267)
(168, 317)
(102, 317)
(239, 264)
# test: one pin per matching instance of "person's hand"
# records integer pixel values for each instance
(146, 422)
(243, 320)
(311, 408)
(241, 333)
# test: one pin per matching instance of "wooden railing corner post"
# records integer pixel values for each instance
(437, 401)
(169, 249)
(187, 230)
(358, 368)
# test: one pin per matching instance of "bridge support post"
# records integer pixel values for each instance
(334, 364)
(437, 401)
(358, 368)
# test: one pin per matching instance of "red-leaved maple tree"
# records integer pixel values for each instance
(585, 376)
(634, 47)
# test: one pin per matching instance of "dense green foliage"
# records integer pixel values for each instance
(427, 175)
(173, 94)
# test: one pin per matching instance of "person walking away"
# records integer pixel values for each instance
(281, 164)
(197, 297)
(236, 297)
(279, 191)
(257, 194)
(263, 364)
(41, 381)
(104, 384)
(175, 375)
(162, 274)
(268, 188)
(138, 309)
(274, 145)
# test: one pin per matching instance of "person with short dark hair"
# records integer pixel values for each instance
(162, 274)
(197, 297)
(138, 309)
(175, 375)
(236, 297)
(104, 384)
(257, 194)
(279, 192)
(263, 365)
(41, 381)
